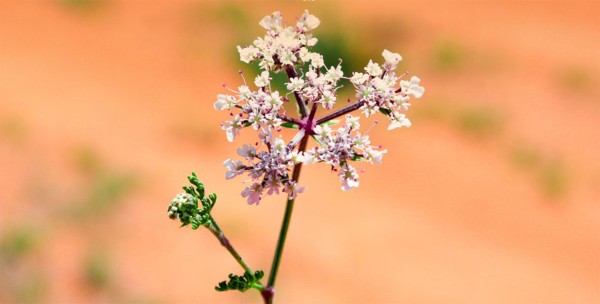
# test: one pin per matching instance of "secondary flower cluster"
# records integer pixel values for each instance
(269, 163)
(268, 169)
(377, 90)
(283, 45)
(341, 146)
(257, 108)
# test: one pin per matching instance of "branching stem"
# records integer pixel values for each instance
(341, 112)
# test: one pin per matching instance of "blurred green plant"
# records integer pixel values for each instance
(87, 161)
(97, 269)
(12, 129)
(553, 178)
(20, 280)
(18, 242)
(448, 55)
(31, 290)
(575, 79)
(550, 173)
(106, 191)
(524, 157)
(84, 6)
(480, 121)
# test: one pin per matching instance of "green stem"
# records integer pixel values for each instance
(289, 207)
(216, 231)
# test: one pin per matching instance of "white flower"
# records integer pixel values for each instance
(271, 21)
(273, 101)
(334, 74)
(295, 84)
(308, 22)
(304, 54)
(391, 59)
(278, 145)
(374, 155)
(248, 53)
(233, 168)
(412, 87)
(247, 152)
(224, 102)
(352, 122)
(292, 189)
(297, 157)
(322, 131)
(316, 60)
(253, 193)
(328, 99)
(262, 80)
(232, 127)
(399, 120)
(373, 69)
(244, 92)
(287, 57)
(365, 92)
(359, 78)
(349, 177)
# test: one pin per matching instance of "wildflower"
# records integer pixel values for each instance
(224, 102)
(269, 163)
(295, 84)
(373, 69)
(349, 178)
(262, 80)
(307, 22)
(412, 87)
(391, 60)
(233, 168)
(253, 193)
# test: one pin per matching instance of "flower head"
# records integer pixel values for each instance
(269, 163)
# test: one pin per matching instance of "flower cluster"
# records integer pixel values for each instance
(269, 163)
(268, 169)
(315, 87)
(258, 109)
(377, 90)
(283, 45)
(339, 147)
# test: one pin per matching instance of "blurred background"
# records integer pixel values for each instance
(493, 196)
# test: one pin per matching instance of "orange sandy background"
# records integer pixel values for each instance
(493, 196)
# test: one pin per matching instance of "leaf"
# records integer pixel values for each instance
(385, 111)
(318, 141)
(241, 283)
(330, 122)
(290, 125)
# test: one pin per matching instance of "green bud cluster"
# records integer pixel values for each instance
(243, 282)
(183, 207)
(192, 207)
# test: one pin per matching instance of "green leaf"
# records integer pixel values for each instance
(241, 283)
(330, 122)
(385, 111)
(318, 141)
(290, 125)
(358, 158)
(213, 197)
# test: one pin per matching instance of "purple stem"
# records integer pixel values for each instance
(290, 119)
(341, 112)
(291, 72)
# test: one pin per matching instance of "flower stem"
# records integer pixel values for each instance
(269, 291)
(291, 73)
(217, 232)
